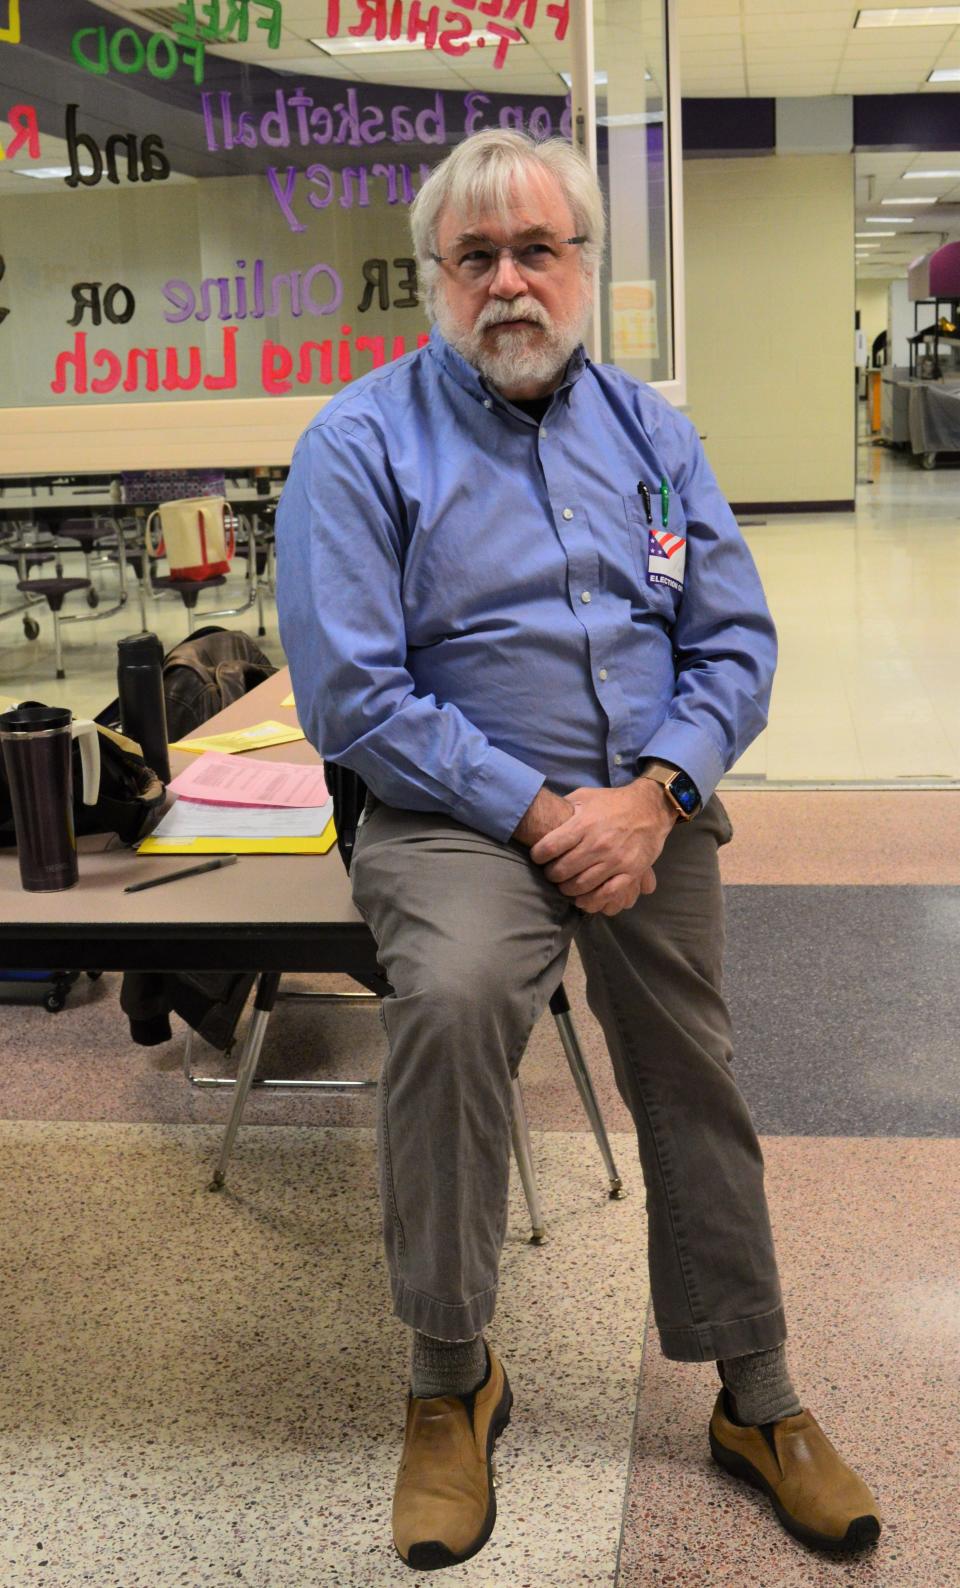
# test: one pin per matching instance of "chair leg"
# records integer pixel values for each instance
(252, 1043)
(521, 1149)
(560, 1009)
(58, 645)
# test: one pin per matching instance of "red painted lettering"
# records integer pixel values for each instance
(427, 25)
(450, 37)
(507, 36)
(529, 9)
(228, 380)
(373, 13)
(104, 359)
(560, 14)
(23, 125)
(78, 358)
(151, 361)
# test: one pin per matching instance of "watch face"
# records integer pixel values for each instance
(686, 793)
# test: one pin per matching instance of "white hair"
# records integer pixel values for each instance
(480, 173)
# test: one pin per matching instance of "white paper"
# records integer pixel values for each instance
(188, 819)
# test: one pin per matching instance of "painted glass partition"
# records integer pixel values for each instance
(209, 200)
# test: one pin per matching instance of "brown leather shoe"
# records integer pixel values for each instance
(445, 1504)
(817, 1498)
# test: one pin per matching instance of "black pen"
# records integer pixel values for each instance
(645, 496)
(189, 871)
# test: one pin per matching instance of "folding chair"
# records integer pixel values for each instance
(348, 793)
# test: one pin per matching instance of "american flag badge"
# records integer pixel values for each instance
(666, 559)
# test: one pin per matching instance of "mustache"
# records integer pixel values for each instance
(498, 312)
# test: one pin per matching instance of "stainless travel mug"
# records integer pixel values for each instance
(36, 744)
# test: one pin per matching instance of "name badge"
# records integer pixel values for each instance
(666, 558)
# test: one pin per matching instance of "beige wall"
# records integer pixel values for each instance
(770, 332)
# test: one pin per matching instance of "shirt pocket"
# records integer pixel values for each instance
(660, 554)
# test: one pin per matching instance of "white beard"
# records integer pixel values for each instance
(508, 359)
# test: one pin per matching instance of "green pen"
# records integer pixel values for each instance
(664, 503)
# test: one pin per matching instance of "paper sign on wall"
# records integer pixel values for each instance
(633, 317)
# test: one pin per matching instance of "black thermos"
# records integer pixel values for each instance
(143, 714)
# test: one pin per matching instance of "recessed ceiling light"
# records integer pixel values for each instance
(908, 17)
(599, 78)
(632, 118)
(373, 46)
(46, 173)
(917, 176)
(874, 234)
(910, 201)
(946, 74)
(885, 220)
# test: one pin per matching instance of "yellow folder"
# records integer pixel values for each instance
(318, 845)
(257, 737)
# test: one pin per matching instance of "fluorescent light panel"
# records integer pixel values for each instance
(46, 173)
(600, 79)
(946, 74)
(874, 234)
(884, 220)
(910, 201)
(368, 46)
(920, 176)
(908, 17)
(636, 118)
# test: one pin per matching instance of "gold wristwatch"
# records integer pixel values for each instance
(680, 789)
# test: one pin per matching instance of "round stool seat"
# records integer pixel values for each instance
(53, 589)
(189, 589)
(83, 530)
(32, 559)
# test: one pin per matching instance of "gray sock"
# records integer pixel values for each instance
(760, 1386)
(446, 1367)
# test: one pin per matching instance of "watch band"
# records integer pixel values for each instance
(679, 789)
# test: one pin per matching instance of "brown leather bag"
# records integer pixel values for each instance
(210, 670)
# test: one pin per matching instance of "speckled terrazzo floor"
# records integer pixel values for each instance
(207, 1390)
(868, 1236)
(843, 939)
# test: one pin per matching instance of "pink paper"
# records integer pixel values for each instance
(221, 779)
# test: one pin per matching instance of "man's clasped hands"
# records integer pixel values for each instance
(599, 845)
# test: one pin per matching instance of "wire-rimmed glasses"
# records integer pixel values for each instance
(476, 262)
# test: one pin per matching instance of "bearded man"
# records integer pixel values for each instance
(515, 602)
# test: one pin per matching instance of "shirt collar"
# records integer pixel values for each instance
(455, 365)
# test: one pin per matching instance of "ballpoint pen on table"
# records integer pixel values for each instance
(645, 498)
(187, 871)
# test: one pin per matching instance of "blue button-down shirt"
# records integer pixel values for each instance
(473, 604)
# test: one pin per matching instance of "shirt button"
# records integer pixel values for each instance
(543, 432)
(585, 597)
(618, 760)
(487, 403)
(603, 675)
(568, 512)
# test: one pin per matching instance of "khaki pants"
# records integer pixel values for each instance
(474, 940)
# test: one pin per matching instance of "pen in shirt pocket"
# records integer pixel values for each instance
(664, 503)
(644, 494)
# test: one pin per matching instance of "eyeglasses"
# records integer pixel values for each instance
(474, 264)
